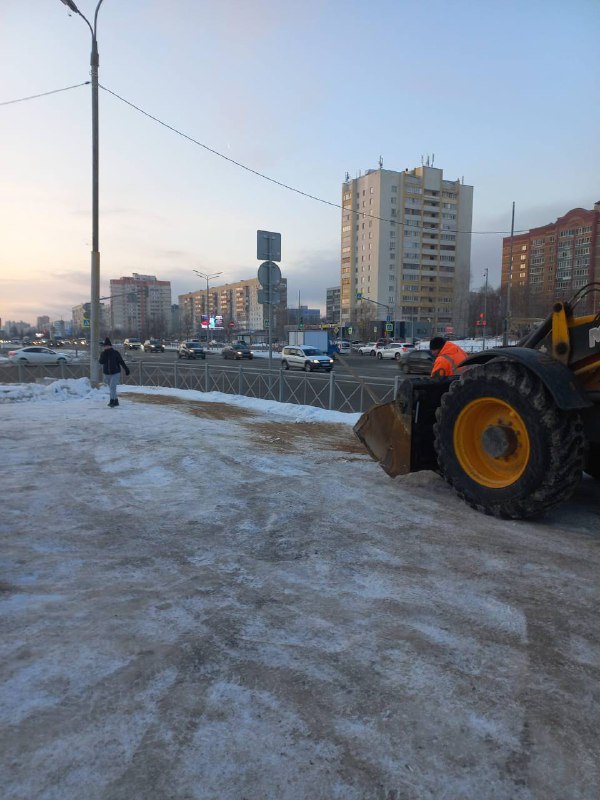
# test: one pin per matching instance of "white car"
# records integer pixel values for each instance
(394, 350)
(36, 355)
(367, 349)
(306, 358)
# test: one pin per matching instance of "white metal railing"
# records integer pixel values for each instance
(327, 391)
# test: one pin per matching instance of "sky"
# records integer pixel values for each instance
(505, 94)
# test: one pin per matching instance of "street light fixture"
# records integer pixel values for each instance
(208, 278)
(95, 270)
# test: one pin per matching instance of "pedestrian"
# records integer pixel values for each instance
(112, 361)
(448, 357)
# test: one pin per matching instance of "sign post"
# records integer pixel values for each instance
(268, 247)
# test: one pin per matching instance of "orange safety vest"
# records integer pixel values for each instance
(448, 361)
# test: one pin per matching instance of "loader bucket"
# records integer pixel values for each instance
(386, 433)
(399, 434)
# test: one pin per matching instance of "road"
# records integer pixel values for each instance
(365, 366)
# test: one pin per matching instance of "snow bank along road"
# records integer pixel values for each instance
(226, 600)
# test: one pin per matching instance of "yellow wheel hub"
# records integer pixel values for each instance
(491, 442)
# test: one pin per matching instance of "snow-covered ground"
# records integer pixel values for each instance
(214, 597)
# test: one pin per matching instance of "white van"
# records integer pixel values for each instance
(344, 347)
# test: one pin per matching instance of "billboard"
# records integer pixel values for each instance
(213, 323)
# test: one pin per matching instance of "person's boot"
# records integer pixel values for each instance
(111, 403)
(115, 403)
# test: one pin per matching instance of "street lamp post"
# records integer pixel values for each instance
(507, 314)
(95, 267)
(484, 326)
(208, 278)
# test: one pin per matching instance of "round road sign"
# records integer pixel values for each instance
(269, 273)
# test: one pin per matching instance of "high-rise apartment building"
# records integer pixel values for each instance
(332, 305)
(406, 246)
(140, 306)
(553, 262)
(235, 304)
(42, 323)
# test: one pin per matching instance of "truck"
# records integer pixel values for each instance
(318, 339)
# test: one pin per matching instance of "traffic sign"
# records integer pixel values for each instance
(359, 295)
(263, 296)
(265, 323)
(389, 326)
(268, 246)
(86, 322)
(269, 273)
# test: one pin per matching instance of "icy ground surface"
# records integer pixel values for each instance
(214, 598)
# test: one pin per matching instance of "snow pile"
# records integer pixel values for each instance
(67, 389)
(81, 389)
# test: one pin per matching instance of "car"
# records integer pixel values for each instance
(35, 354)
(237, 350)
(343, 347)
(153, 346)
(416, 361)
(393, 350)
(133, 343)
(306, 358)
(367, 349)
(190, 350)
(355, 346)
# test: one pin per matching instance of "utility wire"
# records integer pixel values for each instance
(43, 94)
(363, 214)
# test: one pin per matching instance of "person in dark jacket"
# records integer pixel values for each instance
(112, 361)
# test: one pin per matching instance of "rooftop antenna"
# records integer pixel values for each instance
(432, 158)
(347, 178)
(427, 159)
(421, 160)
(380, 162)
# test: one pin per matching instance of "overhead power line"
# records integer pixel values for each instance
(355, 212)
(363, 214)
(43, 94)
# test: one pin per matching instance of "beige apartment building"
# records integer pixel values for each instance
(140, 305)
(236, 306)
(406, 246)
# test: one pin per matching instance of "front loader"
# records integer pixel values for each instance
(513, 432)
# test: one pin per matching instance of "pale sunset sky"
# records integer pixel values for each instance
(505, 94)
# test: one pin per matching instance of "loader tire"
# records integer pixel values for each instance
(593, 461)
(504, 445)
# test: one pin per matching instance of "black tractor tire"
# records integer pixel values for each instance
(592, 466)
(545, 445)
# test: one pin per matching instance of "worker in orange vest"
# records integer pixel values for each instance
(448, 357)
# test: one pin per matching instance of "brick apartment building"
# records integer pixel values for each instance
(553, 262)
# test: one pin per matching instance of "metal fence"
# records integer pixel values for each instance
(330, 391)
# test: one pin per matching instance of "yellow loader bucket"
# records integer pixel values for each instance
(387, 434)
